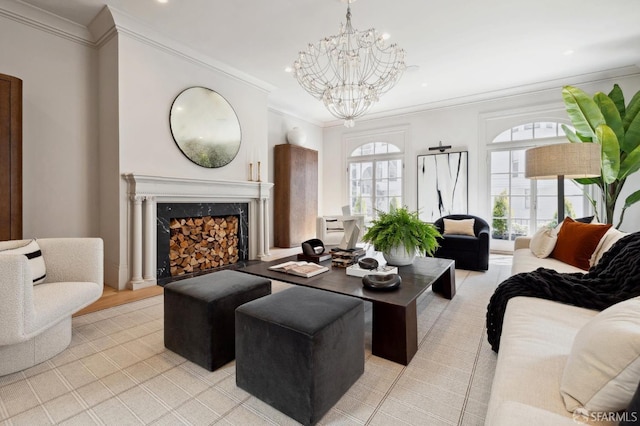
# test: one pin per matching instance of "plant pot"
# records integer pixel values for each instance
(399, 256)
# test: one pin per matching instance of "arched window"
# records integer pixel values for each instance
(529, 131)
(375, 178)
(520, 206)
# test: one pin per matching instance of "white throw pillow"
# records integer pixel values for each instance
(543, 242)
(32, 251)
(606, 242)
(459, 227)
(603, 368)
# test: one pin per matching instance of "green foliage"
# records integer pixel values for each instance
(605, 120)
(500, 211)
(401, 227)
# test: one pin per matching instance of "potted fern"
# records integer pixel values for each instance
(400, 235)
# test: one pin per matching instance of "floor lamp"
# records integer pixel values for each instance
(565, 160)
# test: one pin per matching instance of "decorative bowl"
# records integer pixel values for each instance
(382, 282)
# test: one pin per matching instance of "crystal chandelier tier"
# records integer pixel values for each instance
(349, 71)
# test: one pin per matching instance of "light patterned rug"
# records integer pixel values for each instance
(118, 372)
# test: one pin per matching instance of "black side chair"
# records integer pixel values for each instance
(469, 252)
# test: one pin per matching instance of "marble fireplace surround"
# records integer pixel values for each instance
(145, 192)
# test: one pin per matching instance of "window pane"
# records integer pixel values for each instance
(375, 184)
(499, 184)
(368, 149)
(382, 169)
(380, 148)
(500, 162)
(545, 130)
(503, 137)
(522, 132)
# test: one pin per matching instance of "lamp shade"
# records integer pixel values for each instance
(571, 160)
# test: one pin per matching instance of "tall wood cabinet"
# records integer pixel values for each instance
(10, 158)
(295, 194)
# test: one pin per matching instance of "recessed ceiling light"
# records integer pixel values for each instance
(385, 36)
(568, 52)
(288, 69)
(163, 1)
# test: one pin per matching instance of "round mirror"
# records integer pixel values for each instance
(205, 127)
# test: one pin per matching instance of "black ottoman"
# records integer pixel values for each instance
(199, 314)
(300, 350)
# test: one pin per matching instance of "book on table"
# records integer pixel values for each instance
(301, 269)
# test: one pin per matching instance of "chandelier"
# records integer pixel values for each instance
(349, 71)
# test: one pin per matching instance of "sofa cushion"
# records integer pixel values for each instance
(543, 242)
(525, 261)
(33, 253)
(459, 227)
(605, 243)
(460, 243)
(603, 369)
(577, 241)
(535, 338)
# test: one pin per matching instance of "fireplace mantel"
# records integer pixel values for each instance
(145, 191)
(170, 188)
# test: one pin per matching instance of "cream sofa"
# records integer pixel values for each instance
(535, 343)
(36, 319)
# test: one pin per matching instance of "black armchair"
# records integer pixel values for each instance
(469, 252)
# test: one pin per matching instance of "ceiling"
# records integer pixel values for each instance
(455, 49)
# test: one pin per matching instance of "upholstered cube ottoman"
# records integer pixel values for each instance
(199, 314)
(300, 350)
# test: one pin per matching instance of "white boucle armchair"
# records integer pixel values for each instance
(35, 320)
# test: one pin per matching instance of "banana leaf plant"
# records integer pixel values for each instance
(604, 119)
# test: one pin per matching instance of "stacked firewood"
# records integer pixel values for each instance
(201, 243)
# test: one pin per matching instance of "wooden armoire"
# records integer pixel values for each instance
(10, 158)
(295, 194)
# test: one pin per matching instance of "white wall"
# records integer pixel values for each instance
(465, 127)
(83, 128)
(149, 79)
(60, 160)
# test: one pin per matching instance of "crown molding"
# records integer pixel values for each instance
(278, 110)
(42, 20)
(110, 22)
(133, 28)
(527, 89)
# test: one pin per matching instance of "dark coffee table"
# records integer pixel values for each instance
(395, 321)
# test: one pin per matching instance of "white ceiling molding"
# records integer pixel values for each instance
(103, 27)
(45, 21)
(556, 84)
(127, 25)
(294, 115)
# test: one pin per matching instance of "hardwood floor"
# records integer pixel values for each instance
(112, 297)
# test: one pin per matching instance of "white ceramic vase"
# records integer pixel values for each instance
(296, 136)
(399, 256)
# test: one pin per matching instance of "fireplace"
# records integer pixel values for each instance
(249, 201)
(198, 237)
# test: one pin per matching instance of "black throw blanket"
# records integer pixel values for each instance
(615, 278)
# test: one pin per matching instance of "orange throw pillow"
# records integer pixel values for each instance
(577, 241)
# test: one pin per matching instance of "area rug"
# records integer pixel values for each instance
(118, 372)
